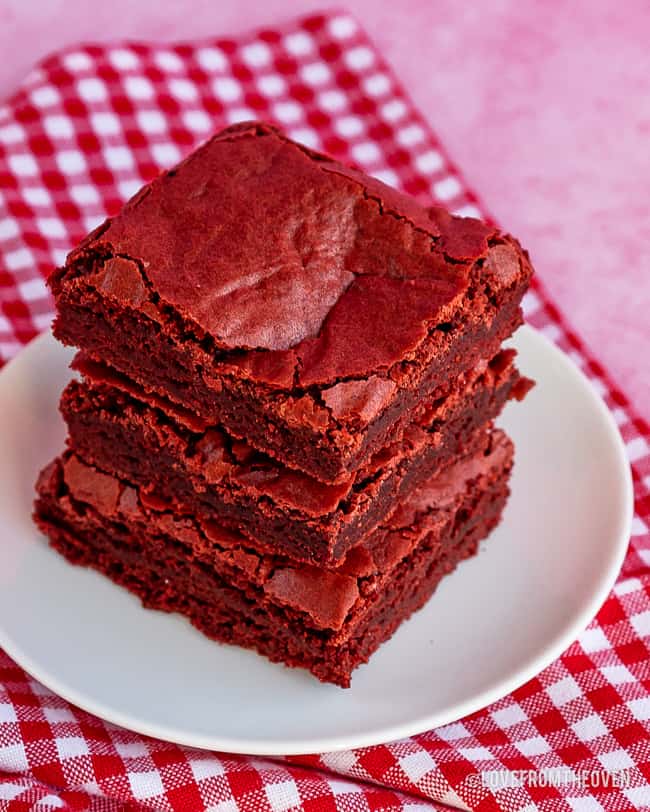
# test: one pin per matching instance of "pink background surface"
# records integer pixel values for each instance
(544, 105)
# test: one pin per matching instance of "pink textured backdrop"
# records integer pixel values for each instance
(544, 105)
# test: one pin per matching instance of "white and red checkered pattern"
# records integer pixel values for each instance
(85, 130)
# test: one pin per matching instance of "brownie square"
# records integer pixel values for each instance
(300, 304)
(114, 426)
(325, 619)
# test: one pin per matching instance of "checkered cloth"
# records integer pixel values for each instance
(87, 128)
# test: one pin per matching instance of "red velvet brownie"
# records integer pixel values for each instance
(289, 376)
(221, 479)
(302, 305)
(326, 619)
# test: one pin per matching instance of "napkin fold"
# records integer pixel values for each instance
(85, 130)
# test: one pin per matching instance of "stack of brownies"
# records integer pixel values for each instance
(283, 427)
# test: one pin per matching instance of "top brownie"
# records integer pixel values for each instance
(299, 303)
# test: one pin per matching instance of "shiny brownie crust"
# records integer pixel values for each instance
(301, 304)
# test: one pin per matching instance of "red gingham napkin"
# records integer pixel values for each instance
(84, 131)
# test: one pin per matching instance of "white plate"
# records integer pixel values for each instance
(492, 625)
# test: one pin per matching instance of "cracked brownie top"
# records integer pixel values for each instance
(291, 267)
